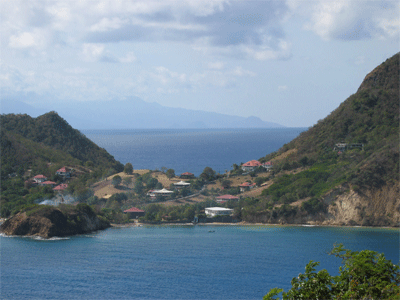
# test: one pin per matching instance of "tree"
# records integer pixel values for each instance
(208, 174)
(365, 275)
(138, 187)
(127, 181)
(226, 184)
(170, 173)
(128, 168)
(116, 180)
(151, 183)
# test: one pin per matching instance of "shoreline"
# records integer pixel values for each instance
(247, 224)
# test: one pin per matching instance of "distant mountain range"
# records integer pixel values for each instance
(132, 113)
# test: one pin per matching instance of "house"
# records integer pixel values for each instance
(268, 165)
(181, 184)
(48, 183)
(134, 212)
(245, 186)
(60, 187)
(64, 172)
(39, 178)
(218, 211)
(164, 192)
(187, 175)
(251, 165)
(224, 198)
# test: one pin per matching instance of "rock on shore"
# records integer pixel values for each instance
(49, 221)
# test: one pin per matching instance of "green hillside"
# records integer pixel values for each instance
(355, 148)
(42, 145)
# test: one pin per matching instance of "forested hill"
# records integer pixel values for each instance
(354, 151)
(26, 142)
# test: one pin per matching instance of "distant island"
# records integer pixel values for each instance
(133, 112)
(343, 171)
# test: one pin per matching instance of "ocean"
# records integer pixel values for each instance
(191, 150)
(177, 262)
(180, 262)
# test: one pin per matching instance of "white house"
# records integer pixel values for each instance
(218, 211)
(163, 192)
(181, 184)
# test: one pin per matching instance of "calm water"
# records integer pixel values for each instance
(177, 262)
(191, 150)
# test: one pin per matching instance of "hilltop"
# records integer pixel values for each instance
(41, 146)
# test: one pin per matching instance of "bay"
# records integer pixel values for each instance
(191, 150)
(177, 262)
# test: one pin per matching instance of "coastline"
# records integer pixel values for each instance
(246, 224)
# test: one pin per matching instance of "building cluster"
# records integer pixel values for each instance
(41, 180)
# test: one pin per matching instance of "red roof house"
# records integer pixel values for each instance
(224, 198)
(251, 165)
(61, 187)
(246, 186)
(65, 172)
(187, 175)
(40, 178)
(268, 165)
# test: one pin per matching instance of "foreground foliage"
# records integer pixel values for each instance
(365, 275)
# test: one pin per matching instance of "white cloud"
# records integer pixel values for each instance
(107, 24)
(23, 40)
(349, 19)
(218, 65)
(239, 71)
(92, 52)
(128, 58)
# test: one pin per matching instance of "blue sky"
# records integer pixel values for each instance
(290, 62)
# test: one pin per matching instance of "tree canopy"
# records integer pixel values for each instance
(170, 173)
(116, 181)
(128, 168)
(365, 275)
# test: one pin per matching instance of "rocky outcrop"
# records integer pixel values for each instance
(48, 221)
(343, 207)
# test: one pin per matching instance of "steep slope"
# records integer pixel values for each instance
(43, 145)
(22, 134)
(351, 161)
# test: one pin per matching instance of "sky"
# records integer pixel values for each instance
(290, 62)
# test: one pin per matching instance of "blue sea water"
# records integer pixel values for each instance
(176, 262)
(191, 150)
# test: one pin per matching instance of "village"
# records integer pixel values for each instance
(168, 190)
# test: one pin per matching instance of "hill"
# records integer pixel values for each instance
(25, 140)
(42, 145)
(351, 162)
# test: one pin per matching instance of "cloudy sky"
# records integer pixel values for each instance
(290, 62)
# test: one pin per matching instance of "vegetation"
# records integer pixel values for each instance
(128, 169)
(365, 275)
(42, 145)
(311, 165)
(170, 173)
(116, 181)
